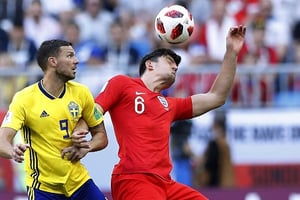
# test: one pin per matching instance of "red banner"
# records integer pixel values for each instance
(281, 175)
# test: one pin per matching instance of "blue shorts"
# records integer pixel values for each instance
(88, 191)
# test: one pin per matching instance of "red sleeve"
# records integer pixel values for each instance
(111, 92)
(183, 108)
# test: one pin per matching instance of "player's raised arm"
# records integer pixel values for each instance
(220, 89)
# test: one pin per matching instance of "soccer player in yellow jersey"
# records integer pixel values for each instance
(46, 113)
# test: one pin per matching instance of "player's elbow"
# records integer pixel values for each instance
(98, 143)
(220, 102)
(102, 144)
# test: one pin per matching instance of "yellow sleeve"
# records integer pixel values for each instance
(90, 113)
(15, 116)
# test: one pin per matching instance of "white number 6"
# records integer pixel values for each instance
(139, 105)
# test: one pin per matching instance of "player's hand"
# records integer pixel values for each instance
(74, 153)
(18, 152)
(235, 38)
(79, 139)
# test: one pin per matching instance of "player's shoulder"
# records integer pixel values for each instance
(26, 96)
(121, 79)
(28, 91)
(76, 85)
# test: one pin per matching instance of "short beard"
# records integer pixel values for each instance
(65, 78)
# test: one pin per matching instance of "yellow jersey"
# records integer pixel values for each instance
(46, 123)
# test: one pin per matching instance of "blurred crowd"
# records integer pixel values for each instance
(214, 166)
(115, 34)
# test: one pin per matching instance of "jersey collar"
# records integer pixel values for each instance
(47, 94)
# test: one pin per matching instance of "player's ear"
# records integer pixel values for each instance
(149, 64)
(52, 60)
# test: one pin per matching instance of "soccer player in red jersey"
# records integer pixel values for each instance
(142, 118)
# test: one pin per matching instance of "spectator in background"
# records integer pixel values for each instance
(181, 152)
(87, 51)
(287, 11)
(213, 31)
(120, 53)
(11, 9)
(255, 89)
(243, 10)
(200, 9)
(55, 7)
(277, 30)
(216, 168)
(288, 85)
(20, 48)
(210, 39)
(38, 25)
(79, 4)
(139, 7)
(5, 61)
(294, 79)
(111, 5)
(94, 22)
(3, 40)
(19, 54)
(294, 51)
(140, 28)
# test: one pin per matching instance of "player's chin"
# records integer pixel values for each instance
(173, 76)
(171, 79)
(71, 76)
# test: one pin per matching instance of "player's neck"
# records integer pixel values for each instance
(155, 85)
(53, 88)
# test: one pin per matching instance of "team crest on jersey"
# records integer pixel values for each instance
(163, 102)
(73, 109)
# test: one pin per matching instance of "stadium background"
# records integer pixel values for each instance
(264, 134)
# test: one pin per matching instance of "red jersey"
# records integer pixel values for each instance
(142, 120)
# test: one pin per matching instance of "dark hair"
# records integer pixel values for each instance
(48, 49)
(154, 55)
(296, 31)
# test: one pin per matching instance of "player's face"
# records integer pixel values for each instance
(66, 63)
(167, 68)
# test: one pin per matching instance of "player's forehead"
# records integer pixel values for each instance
(67, 50)
(168, 58)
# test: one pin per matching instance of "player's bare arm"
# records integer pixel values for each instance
(81, 146)
(7, 149)
(80, 132)
(219, 91)
(99, 138)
